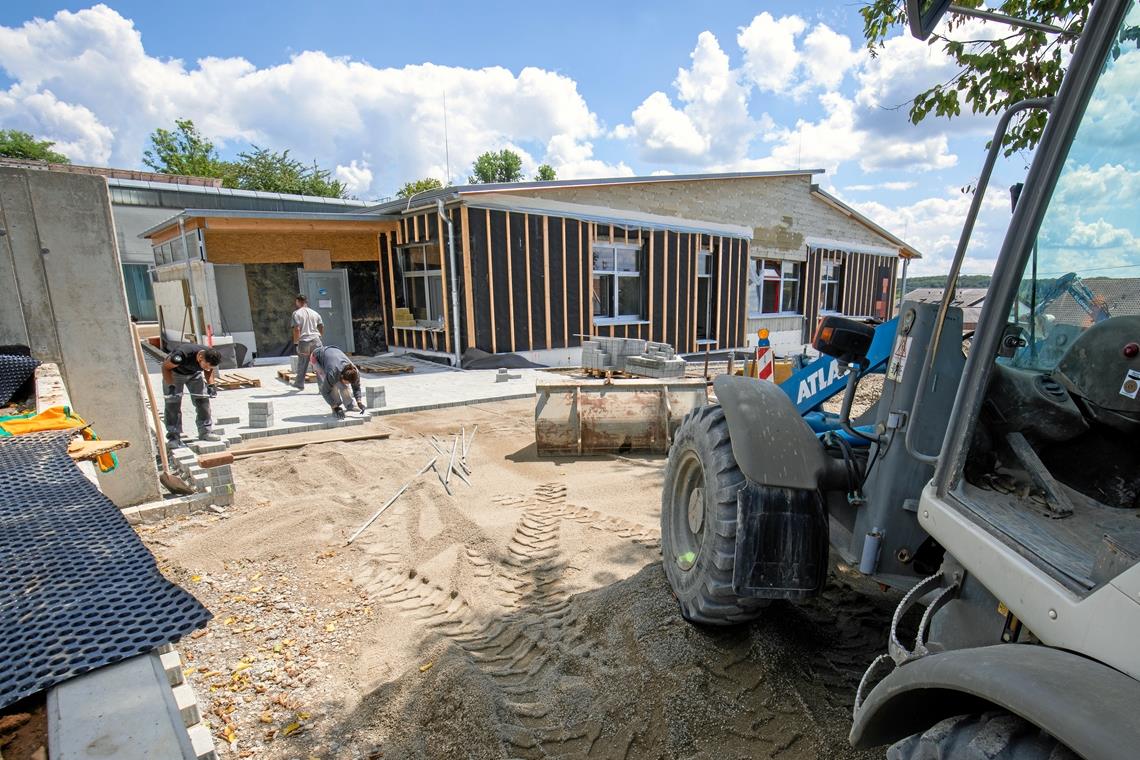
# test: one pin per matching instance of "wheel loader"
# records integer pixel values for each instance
(999, 491)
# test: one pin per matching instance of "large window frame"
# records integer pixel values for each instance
(421, 279)
(830, 286)
(617, 288)
(775, 287)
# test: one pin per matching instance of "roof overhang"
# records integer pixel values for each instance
(268, 221)
(898, 247)
(601, 214)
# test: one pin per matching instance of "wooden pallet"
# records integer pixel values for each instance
(384, 367)
(288, 375)
(228, 381)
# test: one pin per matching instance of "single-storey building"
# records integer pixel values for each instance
(809, 254)
(697, 261)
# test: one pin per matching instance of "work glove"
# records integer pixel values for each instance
(212, 391)
(170, 390)
(339, 412)
(360, 405)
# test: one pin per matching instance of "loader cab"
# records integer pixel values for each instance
(1042, 456)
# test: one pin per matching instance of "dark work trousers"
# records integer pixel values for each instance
(196, 384)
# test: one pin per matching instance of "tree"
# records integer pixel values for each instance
(504, 166)
(995, 73)
(17, 144)
(184, 151)
(545, 173)
(419, 186)
(273, 172)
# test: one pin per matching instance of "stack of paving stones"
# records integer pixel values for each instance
(260, 414)
(374, 396)
(632, 356)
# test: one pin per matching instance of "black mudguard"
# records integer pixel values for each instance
(781, 543)
(1089, 707)
(772, 444)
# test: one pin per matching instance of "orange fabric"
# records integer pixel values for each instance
(57, 418)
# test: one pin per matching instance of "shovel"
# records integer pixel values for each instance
(173, 483)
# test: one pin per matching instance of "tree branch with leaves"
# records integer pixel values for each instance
(993, 73)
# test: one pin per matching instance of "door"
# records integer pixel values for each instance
(882, 290)
(327, 292)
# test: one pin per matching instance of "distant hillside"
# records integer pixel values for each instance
(939, 281)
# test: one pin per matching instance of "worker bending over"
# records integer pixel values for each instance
(191, 366)
(335, 373)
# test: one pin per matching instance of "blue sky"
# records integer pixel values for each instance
(606, 90)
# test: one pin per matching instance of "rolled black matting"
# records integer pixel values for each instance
(15, 371)
(78, 589)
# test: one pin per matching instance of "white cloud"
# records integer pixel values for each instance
(712, 123)
(85, 80)
(357, 177)
(828, 57)
(770, 54)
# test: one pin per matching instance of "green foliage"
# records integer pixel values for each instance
(939, 281)
(419, 186)
(187, 152)
(504, 166)
(184, 151)
(994, 74)
(545, 173)
(274, 172)
(17, 144)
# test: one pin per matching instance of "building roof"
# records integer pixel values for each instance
(288, 216)
(906, 250)
(453, 192)
(602, 214)
(962, 297)
(232, 193)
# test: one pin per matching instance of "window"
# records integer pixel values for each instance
(831, 286)
(774, 287)
(423, 283)
(617, 286)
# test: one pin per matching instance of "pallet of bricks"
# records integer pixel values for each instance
(631, 356)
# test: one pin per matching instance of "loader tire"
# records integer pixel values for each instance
(986, 736)
(698, 521)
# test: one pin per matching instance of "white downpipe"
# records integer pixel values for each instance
(454, 283)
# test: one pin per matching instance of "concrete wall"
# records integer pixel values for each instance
(63, 295)
(780, 210)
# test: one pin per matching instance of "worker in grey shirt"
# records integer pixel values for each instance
(335, 373)
(308, 329)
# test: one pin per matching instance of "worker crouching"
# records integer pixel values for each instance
(338, 379)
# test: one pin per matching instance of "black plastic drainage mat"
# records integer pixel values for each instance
(14, 372)
(78, 589)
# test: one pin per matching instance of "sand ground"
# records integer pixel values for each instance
(524, 616)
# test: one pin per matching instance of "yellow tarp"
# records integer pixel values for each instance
(55, 418)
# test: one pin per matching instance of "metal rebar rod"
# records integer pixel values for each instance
(391, 501)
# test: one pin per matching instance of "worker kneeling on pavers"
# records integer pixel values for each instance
(191, 366)
(335, 373)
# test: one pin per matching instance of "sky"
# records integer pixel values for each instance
(386, 93)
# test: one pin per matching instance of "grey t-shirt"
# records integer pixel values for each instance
(308, 320)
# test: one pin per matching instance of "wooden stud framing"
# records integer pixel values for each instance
(491, 285)
(677, 299)
(565, 291)
(590, 275)
(468, 283)
(510, 281)
(649, 313)
(393, 241)
(546, 275)
(443, 273)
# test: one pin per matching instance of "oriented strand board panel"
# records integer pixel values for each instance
(287, 247)
(317, 260)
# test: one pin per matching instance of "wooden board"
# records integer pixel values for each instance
(228, 381)
(297, 440)
(81, 450)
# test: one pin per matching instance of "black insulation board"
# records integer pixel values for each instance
(499, 264)
(518, 262)
(557, 293)
(480, 286)
(15, 372)
(78, 589)
(574, 265)
(537, 260)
